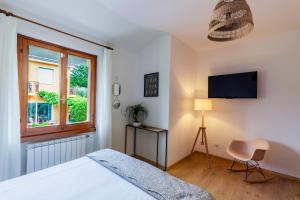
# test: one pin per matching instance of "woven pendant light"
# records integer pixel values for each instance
(231, 19)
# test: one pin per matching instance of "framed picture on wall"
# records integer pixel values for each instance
(151, 84)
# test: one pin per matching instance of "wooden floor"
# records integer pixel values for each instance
(225, 185)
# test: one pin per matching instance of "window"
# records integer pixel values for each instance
(40, 114)
(78, 89)
(45, 75)
(57, 90)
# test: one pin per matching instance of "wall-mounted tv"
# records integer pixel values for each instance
(232, 86)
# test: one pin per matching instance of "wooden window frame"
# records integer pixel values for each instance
(63, 129)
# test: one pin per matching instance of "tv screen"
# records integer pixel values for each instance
(242, 85)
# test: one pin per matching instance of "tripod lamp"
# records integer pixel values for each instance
(202, 105)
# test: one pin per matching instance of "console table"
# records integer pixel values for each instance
(149, 129)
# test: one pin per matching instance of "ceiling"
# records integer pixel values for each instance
(132, 23)
(90, 20)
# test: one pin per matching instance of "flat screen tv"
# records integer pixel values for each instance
(233, 86)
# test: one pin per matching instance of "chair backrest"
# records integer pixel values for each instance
(260, 146)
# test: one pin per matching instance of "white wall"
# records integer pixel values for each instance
(183, 76)
(125, 72)
(44, 34)
(173, 109)
(130, 69)
(182, 123)
(275, 114)
(155, 57)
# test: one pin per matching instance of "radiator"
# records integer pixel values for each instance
(46, 154)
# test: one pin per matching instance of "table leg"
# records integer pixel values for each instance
(134, 145)
(166, 153)
(157, 143)
(125, 139)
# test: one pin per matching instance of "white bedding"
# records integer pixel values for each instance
(81, 179)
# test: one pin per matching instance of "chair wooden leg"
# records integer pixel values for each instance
(247, 170)
(232, 165)
(236, 170)
(259, 169)
(256, 168)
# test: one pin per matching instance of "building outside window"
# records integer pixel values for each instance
(45, 75)
(39, 114)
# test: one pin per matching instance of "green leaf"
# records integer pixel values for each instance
(77, 108)
(136, 113)
(79, 76)
(49, 97)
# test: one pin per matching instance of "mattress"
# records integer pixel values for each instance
(81, 179)
(107, 175)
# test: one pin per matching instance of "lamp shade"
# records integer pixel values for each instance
(202, 104)
(231, 19)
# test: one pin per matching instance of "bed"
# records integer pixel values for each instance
(105, 174)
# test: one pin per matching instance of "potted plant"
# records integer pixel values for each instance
(136, 114)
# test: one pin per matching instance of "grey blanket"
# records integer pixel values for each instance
(153, 181)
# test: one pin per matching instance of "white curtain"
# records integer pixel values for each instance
(104, 92)
(10, 155)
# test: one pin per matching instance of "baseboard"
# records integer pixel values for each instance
(149, 161)
(176, 163)
(292, 178)
(266, 170)
(173, 165)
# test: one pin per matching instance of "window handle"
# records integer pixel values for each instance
(63, 99)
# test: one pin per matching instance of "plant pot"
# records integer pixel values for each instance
(136, 124)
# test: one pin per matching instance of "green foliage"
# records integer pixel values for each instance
(79, 76)
(136, 113)
(77, 108)
(49, 97)
(41, 124)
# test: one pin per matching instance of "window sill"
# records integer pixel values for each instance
(53, 136)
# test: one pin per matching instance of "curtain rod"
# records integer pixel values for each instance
(51, 28)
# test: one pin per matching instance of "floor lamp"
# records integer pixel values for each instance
(202, 105)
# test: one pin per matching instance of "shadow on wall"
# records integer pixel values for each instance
(283, 159)
(181, 99)
(182, 127)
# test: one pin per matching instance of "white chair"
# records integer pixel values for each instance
(249, 153)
